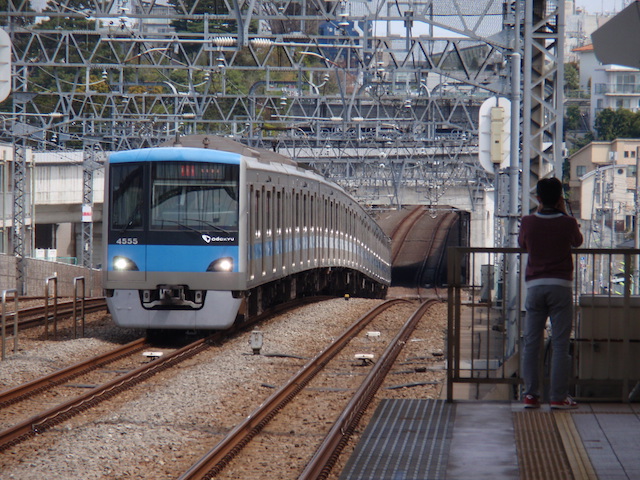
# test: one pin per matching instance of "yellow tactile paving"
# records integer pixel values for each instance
(574, 448)
(541, 453)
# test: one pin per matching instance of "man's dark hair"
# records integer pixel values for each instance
(549, 190)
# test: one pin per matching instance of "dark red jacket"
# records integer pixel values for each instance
(548, 239)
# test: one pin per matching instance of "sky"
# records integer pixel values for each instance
(600, 6)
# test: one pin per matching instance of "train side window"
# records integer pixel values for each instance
(326, 215)
(278, 213)
(258, 211)
(296, 220)
(268, 218)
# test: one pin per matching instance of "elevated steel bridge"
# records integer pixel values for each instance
(390, 89)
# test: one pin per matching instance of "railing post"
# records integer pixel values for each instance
(452, 307)
(4, 321)
(54, 281)
(76, 281)
(626, 329)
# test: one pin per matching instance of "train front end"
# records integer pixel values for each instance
(172, 238)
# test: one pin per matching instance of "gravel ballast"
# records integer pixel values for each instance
(157, 430)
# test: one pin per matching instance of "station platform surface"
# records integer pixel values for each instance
(417, 439)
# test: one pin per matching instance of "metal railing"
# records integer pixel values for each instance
(78, 296)
(15, 314)
(53, 280)
(486, 313)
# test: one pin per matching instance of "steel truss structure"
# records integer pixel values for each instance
(368, 92)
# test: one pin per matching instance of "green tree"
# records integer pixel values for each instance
(611, 124)
(573, 118)
(571, 77)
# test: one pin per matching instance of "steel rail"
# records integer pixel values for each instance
(401, 231)
(217, 458)
(441, 228)
(320, 465)
(21, 392)
(35, 315)
(43, 421)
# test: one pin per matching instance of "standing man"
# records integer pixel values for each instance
(548, 236)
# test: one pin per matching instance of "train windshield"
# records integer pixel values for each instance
(198, 196)
(127, 198)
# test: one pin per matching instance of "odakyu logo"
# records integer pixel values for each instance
(216, 239)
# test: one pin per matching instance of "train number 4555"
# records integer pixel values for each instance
(127, 241)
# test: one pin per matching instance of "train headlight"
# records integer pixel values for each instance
(224, 264)
(123, 264)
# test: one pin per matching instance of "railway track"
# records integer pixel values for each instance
(213, 463)
(44, 420)
(122, 378)
(419, 251)
(434, 257)
(401, 230)
(34, 316)
(60, 377)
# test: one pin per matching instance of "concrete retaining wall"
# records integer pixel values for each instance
(37, 271)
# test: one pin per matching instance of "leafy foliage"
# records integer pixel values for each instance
(571, 77)
(573, 118)
(611, 124)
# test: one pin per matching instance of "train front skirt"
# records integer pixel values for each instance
(219, 311)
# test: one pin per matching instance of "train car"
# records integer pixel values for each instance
(208, 232)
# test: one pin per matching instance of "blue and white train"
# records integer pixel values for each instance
(200, 236)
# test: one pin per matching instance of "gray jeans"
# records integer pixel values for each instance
(554, 302)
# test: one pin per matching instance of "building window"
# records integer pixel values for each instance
(626, 154)
(581, 170)
(631, 171)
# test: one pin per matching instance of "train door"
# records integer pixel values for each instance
(251, 236)
(336, 235)
(325, 230)
(278, 253)
(353, 237)
(328, 230)
(305, 230)
(330, 234)
(258, 233)
(297, 244)
(268, 232)
(312, 233)
(349, 237)
(343, 221)
(288, 207)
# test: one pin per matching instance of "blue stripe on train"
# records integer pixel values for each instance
(173, 258)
